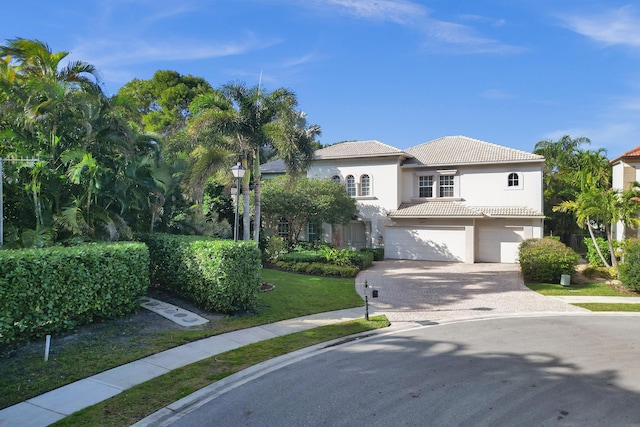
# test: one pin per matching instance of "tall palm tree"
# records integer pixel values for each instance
(245, 122)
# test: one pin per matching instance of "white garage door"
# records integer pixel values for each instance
(499, 244)
(428, 244)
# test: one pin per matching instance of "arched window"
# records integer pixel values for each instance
(365, 185)
(513, 180)
(335, 178)
(351, 186)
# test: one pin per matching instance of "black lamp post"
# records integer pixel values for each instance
(238, 172)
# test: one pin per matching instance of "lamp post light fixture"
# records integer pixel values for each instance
(238, 172)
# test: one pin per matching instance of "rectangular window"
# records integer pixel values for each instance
(425, 186)
(312, 233)
(446, 186)
(351, 186)
(283, 228)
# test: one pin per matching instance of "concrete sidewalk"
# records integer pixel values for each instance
(577, 299)
(55, 405)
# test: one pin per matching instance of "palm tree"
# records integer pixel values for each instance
(247, 122)
(606, 207)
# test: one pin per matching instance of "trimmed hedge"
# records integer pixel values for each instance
(318, 268)
(218, 275)
(43, 291)
(361, 260)
(630, 268)
(545, 260)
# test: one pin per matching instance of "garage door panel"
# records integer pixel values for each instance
(429, 244)
(499, 244)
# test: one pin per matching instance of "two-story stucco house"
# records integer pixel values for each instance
(625, 170)
(451, 199)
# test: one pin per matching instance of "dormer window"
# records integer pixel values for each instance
(351, 186)
(335, 178)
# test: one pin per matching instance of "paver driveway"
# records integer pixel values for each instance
(436, 291)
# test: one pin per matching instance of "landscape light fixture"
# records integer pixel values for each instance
(238, 172)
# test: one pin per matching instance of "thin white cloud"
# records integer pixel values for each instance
(440, 36)
(484, 19)
(614, 27)
(126, 52)
(397, 11)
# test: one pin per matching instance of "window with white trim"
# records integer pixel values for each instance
(335, 178)
(283, 228)
(446, 186)
(513, 180)
(365, 185)
(425, 186)
(351, 186)
(312, 232)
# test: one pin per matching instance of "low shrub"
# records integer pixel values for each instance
(318, 268)
(303, 256)
(378, 253)
(362, 260)
(218, 275)
(630, 268)
(44, 291)
(592, 254)
(545, 260)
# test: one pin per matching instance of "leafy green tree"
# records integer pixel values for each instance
(302, 201)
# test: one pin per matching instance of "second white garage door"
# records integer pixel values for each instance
(428, 244)
(499, 244)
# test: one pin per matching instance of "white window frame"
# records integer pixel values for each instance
(365, 190)
(519, 181)
(426, 187)
(350, 184)
(451, 186)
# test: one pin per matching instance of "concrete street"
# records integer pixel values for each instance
(544, 371)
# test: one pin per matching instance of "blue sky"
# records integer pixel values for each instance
(511, 72)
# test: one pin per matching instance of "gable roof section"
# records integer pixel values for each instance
(462, 150)
(629, 155)
(354, 149)
(460, 210)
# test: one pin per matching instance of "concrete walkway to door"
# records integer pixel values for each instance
(411, 291)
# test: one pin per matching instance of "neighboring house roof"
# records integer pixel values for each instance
(629, 155)
(351, 149)
(462, 150)
(276, 166)
(460, 210)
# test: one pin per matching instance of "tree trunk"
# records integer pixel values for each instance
(595, 243)
(614, 259)
(257, 176)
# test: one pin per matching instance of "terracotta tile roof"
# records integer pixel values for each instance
(629, 155)
(460, 210)
(352, 149)
(462, 150)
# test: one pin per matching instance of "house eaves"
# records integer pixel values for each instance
(633, 155)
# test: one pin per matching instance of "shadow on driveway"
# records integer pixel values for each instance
(434, 291)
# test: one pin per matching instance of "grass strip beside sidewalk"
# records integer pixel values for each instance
(140, 401)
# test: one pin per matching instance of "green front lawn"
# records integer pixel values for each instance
(591, 289)
(25, 374)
